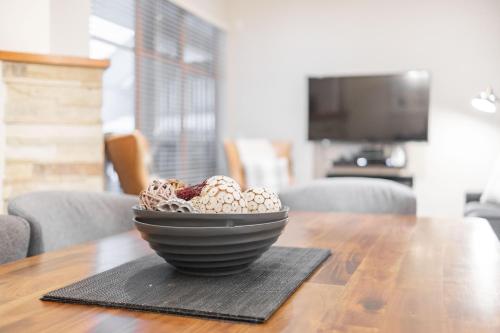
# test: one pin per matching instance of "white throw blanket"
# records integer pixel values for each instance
(261, 165)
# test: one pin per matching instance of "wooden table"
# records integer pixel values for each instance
(386, 274)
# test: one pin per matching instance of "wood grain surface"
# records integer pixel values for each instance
(51, 59)
(386, 274)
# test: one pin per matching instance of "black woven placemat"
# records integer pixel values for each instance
(150, 284)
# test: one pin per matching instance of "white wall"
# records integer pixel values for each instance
(458, 158)
(213, 11)
(45, 26)
(274, 45)
(69, 27)
(24, 25)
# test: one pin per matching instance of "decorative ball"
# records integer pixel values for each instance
(219, 180)
(217, 194)
(176, 206)
(220, 197)
(157, 191)
(262, 200)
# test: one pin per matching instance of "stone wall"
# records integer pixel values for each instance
(50, 128)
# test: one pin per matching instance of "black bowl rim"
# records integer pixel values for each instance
(243, 226)
(205, 216)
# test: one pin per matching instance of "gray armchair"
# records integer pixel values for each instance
(58, 218)
(14, 238)
(488, 211)
(355, 195)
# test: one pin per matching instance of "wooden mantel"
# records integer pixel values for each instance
(49, 59)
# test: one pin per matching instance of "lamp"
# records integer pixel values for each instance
(485, 101)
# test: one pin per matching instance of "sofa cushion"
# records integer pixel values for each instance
(357, 195)
(479, 209)
(63, 218)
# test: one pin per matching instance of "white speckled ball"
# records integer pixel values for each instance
(219, 180)
(262, 200)
(220, 197)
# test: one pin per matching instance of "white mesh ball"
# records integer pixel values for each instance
(262, 200)
(219, 180)
(220, 197)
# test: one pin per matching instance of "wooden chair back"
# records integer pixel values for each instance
(129, 155)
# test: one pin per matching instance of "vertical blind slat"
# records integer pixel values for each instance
(176, 82)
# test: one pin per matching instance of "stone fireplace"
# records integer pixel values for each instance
(50, 124)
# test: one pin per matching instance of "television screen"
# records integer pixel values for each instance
(383, 108)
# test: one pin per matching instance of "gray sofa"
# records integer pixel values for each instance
(489, 211)
(63, 218)
(354, 195)
(55, 219)
(14, 238)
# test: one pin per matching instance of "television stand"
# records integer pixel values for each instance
(398, 175)
(378, 155)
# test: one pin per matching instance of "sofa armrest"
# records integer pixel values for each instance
(472, 196)
(488, 211)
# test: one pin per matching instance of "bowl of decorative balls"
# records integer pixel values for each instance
(212, 228)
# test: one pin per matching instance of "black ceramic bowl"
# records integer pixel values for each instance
(210, 244)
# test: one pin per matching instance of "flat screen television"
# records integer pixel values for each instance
(382, 108)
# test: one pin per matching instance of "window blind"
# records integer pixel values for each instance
(176, 67)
